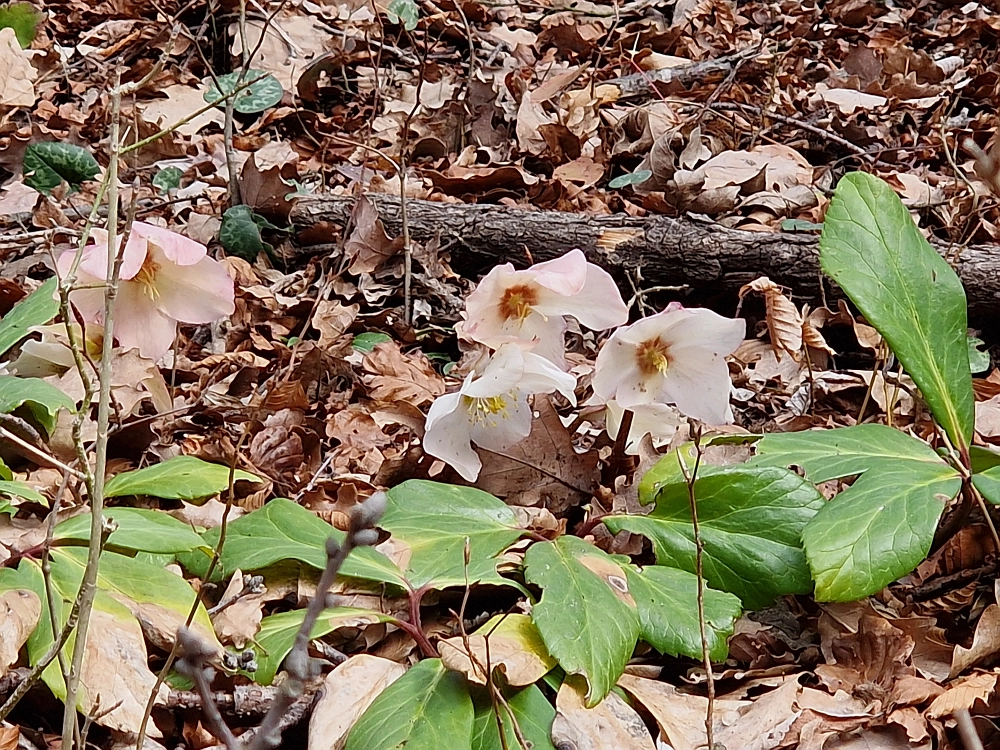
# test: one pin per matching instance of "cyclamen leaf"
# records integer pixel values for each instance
(260, 95)
(633, 178)
(882, 526)
(428, 708)
(873, 250)
(168, 179)
(239, 234)
(587, 616)
(47, 164)
(178, 478)
(751, 520)
(405, 12)
(37, 309)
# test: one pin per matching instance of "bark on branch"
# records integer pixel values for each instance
(664, 251)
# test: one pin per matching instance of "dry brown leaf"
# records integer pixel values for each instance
(16, 72)
(9, 737)
(985, 643)
(610, 725)
(543, 469)
(369, 246)
(512, 645)
(401, 377)
(784, 323)
(266, 179)
(179, 103)
(332, 318)
(19, 613)
(964, 694)
(346, 694)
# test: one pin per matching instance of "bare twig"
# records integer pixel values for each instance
(39, 454)
(691, 476)
(967, 730)
(196, 656)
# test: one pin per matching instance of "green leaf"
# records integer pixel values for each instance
(260, 95)
(283, 530)
(168, 179)
(37, 309)
(277, 634)
(667, 600)
(239, 233)
(988, 483)
(983, 458)
(432, 521)
(428, 708)
(42, 399)
(979, 360)
(23, 491)
(5, 472)
(881, 527)
(751, 519)
(47, 164)
(138, 529)
(404, 12)
(800, 225)
(873, 250)
(366, 342)
(532, 712)
(587, 615)
(23, 18)
(179, 478)
(633, 178)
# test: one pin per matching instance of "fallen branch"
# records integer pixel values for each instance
(658, 249)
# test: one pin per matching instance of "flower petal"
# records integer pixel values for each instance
(139, 325)
(598, 305)
(179, 249)
(704, 329)
(616, 371)
(659, 421)
(541, 376)
(565, 275)
(482, 307)
(698, 383)
(447, 436)
(199, 293)
(498, 432)
(501, 374)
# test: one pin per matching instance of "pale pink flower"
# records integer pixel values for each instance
(675, 357)
(529, 307)
(491, 408)
(166, 279)
(659, 421)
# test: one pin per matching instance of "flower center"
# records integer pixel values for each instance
(653, 356)
(517, 302)
(147, 277)
(487, 410)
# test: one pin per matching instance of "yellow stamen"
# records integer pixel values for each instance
(147, 277)
(653, 356)
(487, 410)
(517, 302)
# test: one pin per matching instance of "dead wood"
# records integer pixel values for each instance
(653, 250)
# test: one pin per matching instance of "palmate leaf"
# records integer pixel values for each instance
(873, 250)
(751, 521)
(879, 528)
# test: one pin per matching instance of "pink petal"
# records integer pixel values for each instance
(180, 249)
(598, 304)
(199, 293)
(482, 306)
(700, 387)
(138, 324)
(706, 330)
(565, 275)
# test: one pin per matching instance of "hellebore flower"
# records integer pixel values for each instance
(166, 279)
(491, 409)
(528, 307)
(676, 356)
(659, 421)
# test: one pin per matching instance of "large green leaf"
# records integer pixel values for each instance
(586, 615)
(873, 250)
(48, 163)
(532, 712)
(667, 600)
(42, 399)
(22, 491)
(277, 634)
(283, 530)
(988, 483)
(179, 478)
(881, 527)
(23, 18)
(751, 521)
(138, 529)
(432, 522)
(37, 309)
(428, 708)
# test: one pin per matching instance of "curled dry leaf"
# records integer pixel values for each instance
(784, 323)
(369, 246)
(19, 612)
(346, 694)
(396, 376)
(610, 725)
(964, 694)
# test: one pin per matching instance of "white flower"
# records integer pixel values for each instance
(166, 278)
(676, 356)
(491, 409)
(528, 307)
(659, 421)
